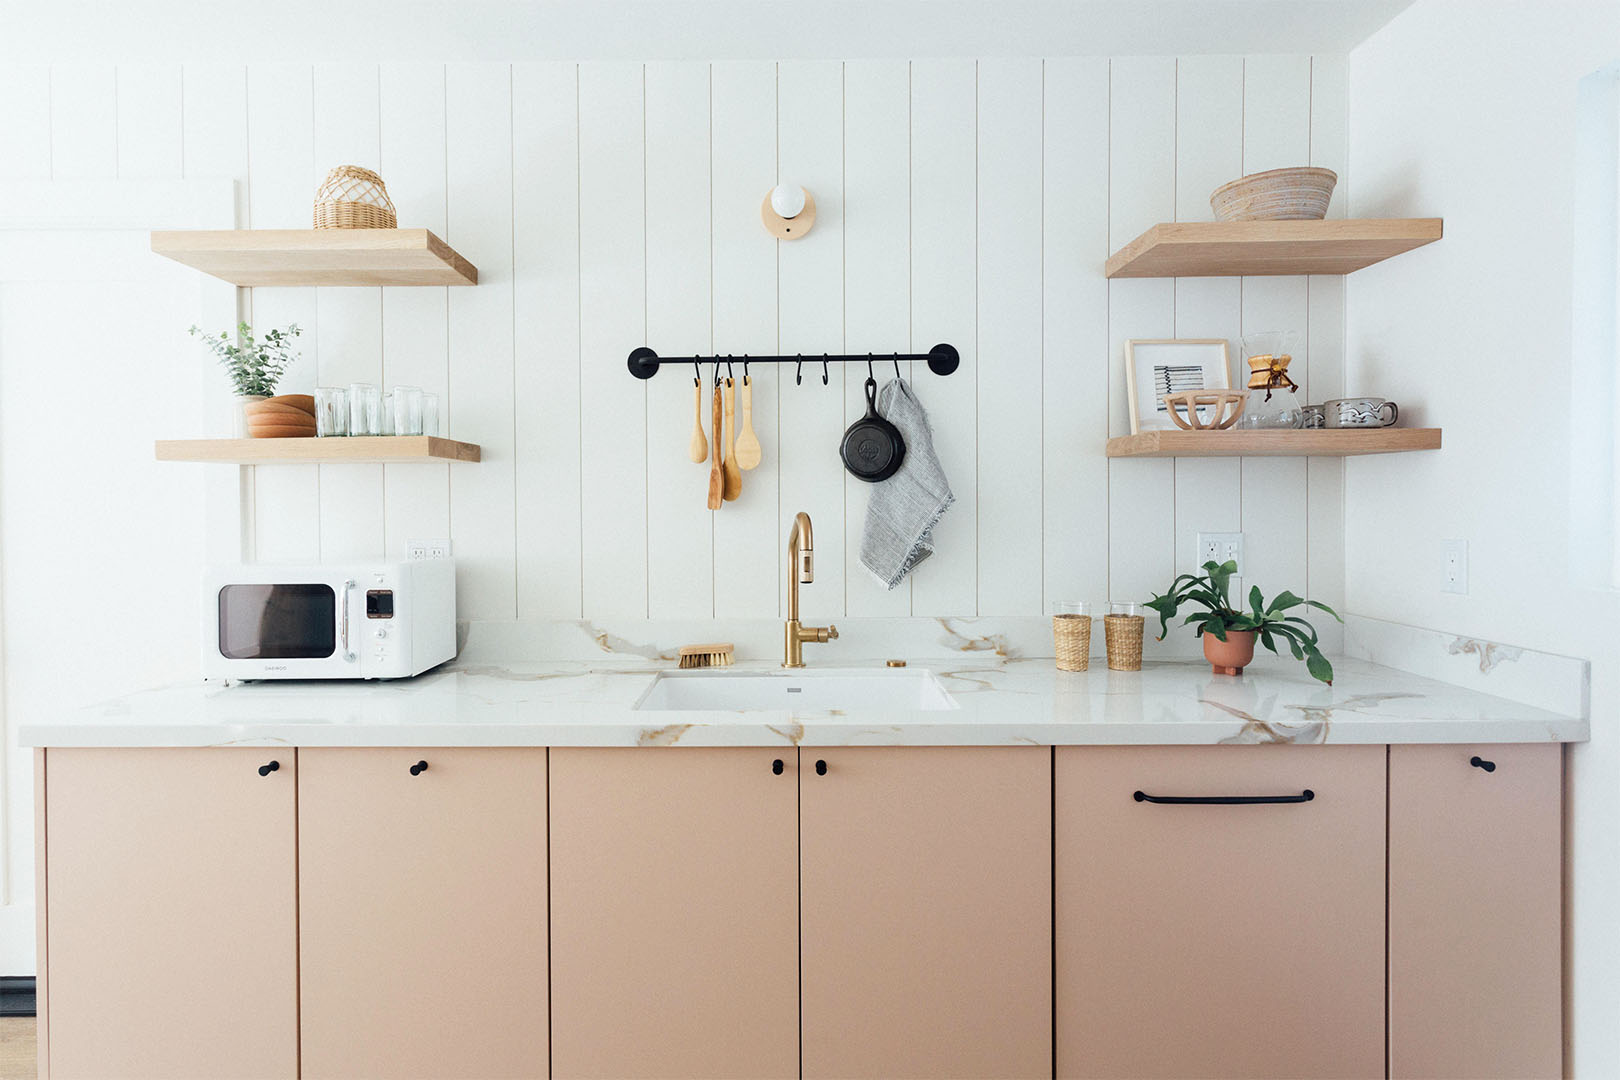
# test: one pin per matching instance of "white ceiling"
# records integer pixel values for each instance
(62, 30)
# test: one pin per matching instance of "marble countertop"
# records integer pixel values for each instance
(998, 701)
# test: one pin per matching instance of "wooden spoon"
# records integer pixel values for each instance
(732, 474)
(748, 453)
(717, 483)
(699, 450)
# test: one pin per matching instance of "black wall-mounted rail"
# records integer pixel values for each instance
(941, 359)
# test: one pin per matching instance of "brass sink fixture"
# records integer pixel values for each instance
(801, 567)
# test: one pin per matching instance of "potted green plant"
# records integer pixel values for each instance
(254, 366)
(1229, 633)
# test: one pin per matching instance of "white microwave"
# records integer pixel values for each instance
(343, 621)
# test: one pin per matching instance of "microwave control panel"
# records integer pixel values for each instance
(379, 618)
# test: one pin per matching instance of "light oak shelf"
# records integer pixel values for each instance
(250, 257)
(372, 449)
(1320, 442)
(1258, 248)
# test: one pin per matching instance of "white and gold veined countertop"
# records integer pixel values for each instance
(999, 701)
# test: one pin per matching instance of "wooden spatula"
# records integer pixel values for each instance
(729, 471)
(699, 450)
(748, 454)
(717, 483)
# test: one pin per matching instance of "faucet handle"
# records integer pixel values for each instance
(832, 632)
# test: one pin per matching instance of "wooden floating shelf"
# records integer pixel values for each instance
(371, 449)
(318, 256)
(1318, 442)
(1257, 248)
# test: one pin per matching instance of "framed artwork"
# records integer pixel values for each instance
(1155, 367)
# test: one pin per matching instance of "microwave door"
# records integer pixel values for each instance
(287, 621)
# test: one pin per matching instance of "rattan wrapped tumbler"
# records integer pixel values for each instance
(1071, 638)
(1123, 635)
(353, 198)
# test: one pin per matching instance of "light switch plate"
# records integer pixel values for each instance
(1454, 566)
(1221, 547)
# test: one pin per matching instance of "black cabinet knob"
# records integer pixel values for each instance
(266, 770)
(776, 766)
(419, 768)
(821, 768)
(1480, 763)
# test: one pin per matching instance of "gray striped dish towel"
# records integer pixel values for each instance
(903, 510)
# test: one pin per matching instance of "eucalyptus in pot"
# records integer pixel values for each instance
(254, 365)
(1229, 633)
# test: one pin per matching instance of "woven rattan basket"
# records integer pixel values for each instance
(353, 198)
(1123, 633)
(1071, 636)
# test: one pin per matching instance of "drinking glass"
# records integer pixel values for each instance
(365, 409)
(430, 414)
(406, 409)
(1071, 634)
(331, 411)
(1122, 634)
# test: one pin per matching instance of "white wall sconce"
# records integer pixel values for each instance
(788, 211)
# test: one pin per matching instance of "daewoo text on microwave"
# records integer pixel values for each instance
(344, 621)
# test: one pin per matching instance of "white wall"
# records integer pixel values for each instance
(609, 205)
(1468, 111)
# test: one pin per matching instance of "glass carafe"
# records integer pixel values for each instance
(1273, 397)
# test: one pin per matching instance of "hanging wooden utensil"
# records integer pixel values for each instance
(748, 452)
(699, 450)
(717, 483)
(732, 475)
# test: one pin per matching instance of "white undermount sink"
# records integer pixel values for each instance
(810, 689)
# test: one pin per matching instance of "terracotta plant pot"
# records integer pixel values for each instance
(1231, 656)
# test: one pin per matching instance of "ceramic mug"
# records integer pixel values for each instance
(1314, 416)
(1359, 412)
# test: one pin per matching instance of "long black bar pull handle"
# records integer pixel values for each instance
(419, 768)
(1224, 800)
(266, 770)
(1480, 763)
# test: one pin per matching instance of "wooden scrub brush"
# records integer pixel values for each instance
(699, 656)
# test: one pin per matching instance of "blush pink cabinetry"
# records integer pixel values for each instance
(926, 912)
(171, 925)
(1475, 901)
(1219, 940)
(675, 908)
(423, 913)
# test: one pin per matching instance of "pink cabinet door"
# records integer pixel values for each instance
(1219, 940)
(171, 936)
(926, 911)
(422, 907)
(1475, 900)
(674, 907)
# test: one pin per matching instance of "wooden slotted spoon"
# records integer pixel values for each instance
(731, 474)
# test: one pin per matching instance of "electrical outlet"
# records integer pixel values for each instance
(1221, 548)
(1454, 566)
(427, 549)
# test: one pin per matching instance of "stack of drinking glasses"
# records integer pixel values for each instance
(363, 409)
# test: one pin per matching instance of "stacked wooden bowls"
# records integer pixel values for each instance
(1300, 194)
(286, 416)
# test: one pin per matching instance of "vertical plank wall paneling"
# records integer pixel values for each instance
(545, 249)
(609, 205)
(1074, 320)
(478, 179)
(944, 307)
(1141, 192)
(1276, 131)
(810, 418)
(747, 541)
(348, 321)
(877, 278)
(1010, 339)
(613, 314)
(415, 322)
(25, 122)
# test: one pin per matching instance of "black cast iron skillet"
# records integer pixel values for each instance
(873, 448)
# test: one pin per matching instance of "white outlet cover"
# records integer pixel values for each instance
(1221, 547)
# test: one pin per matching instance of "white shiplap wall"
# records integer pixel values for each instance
(609, 205)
